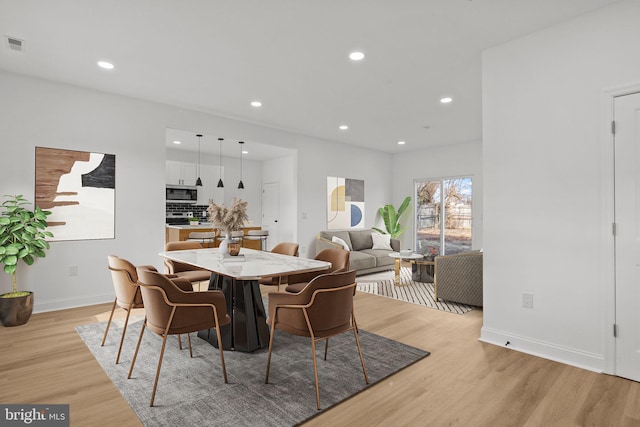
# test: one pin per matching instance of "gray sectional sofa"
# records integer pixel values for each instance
(362, 258)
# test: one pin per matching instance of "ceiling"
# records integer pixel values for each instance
(216, 56)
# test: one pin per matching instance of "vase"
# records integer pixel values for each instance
(224, 244)
(16, 311)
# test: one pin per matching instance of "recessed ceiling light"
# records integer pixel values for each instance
(343, 127)
(401, 142)
(106, 65)
(446, 99)
(256, 104)
(356, 56)
(245, 152)
(177, 142)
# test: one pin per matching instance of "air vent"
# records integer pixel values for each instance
(15, 44)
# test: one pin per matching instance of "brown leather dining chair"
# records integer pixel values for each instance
(284, 248)
(324, 308)
(185, 271)
(171, 311)
(339, 259)
(128, 297)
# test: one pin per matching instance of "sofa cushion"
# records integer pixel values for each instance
(336, 239)
(360, 239)
(361, 261)
(381, 241)
(344, 235)
(381, 255)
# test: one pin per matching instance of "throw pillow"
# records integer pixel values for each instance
(339, 241)
(381, 241)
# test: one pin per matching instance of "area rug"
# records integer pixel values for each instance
(411, 291)
(192, 392)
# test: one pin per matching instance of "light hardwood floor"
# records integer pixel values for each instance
(463, 382)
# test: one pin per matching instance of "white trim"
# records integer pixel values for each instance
(607, 249)
(569, 356)
(65, 303)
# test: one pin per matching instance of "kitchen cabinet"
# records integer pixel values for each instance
(176, 233)
(181, 173)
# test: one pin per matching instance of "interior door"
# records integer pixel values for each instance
(627, 237)
(271, 211)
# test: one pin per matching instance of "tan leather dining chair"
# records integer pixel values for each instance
(339, 259)
(185, 271)
(284, 248)
(128, 297)
(324, 308)
(171, 311)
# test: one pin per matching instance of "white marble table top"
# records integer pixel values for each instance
(399, 255)
(250, 265)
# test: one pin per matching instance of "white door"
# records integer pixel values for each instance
(627, 240)
(270, 212)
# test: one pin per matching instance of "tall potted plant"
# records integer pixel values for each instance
(391, 218)
(22, 237)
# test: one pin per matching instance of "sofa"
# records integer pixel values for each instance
(459, 278)
(363, 257)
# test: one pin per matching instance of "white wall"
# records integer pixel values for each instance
(546, 184)
(445, 161)
(41, 113)
(251, 177)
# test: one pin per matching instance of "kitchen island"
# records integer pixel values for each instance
(175, 233)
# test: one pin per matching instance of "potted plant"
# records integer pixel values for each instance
(22, 237)
(391, 218)
(193, 220)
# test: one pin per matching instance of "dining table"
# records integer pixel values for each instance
(238, 278)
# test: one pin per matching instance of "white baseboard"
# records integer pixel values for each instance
(568, 356)
(64, 303)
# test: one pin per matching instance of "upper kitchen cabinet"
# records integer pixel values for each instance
(181, 173)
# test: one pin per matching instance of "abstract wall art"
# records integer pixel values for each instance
(345, 203)
(78, 187)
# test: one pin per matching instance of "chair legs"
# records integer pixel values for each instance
(124, 328)
(113, 308)
(313, 351)
(164, 342)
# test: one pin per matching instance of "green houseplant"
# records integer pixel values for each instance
(391, 218)
(22, 237)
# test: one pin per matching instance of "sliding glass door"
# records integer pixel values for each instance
(443, 215)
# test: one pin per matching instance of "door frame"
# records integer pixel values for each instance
(607, 248)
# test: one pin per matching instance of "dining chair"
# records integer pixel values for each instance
(171, 311)
(128, 297)
(339, 259)
(324, 308)
(205, 238)
(261, 235)
(284, 248)
(185, 271)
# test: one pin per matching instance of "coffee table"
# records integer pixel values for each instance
(398, 258)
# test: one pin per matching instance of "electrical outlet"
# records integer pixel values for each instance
(73, 270)
(527, 300)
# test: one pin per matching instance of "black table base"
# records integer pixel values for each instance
(248, 330)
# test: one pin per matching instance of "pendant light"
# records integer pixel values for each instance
(241, 184)
(199, 181)
(220, 183)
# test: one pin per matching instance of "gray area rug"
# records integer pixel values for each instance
(411, 291)
(192, 392)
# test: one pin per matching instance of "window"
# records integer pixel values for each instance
(443, 215)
